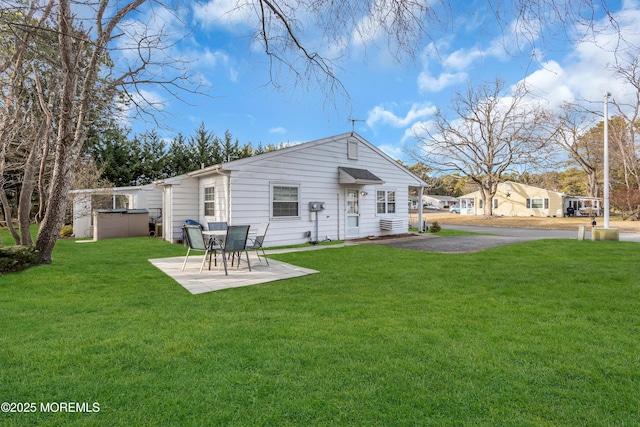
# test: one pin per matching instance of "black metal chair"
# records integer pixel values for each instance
(258, 240)
(235, 242)
(195, 240)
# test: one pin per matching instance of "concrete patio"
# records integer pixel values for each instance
(215, 279)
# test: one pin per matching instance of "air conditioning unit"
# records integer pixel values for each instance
(392, 224)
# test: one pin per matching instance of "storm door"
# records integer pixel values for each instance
(353, 213)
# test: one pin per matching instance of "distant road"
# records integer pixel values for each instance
(535, 233)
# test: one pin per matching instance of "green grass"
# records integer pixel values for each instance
(543, 333)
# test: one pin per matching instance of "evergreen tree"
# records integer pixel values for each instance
(152, 158)
(178, 158)
(205, 148)
(116, 156)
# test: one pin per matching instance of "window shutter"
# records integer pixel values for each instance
(546, 203)
(528, 203)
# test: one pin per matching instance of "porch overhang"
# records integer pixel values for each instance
(358, 176)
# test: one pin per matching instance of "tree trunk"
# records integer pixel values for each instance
(26, 192)
(6, 209)
(61, 178)
(58, 192)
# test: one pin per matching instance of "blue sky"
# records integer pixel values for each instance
(390, 99)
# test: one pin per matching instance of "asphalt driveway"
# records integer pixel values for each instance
(491, 237)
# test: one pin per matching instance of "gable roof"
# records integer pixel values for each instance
(526, 186)
(232, 165)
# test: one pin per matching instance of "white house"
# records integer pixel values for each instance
(516, 199)
(433, 202)
(86, 201)
(440, 202)
(341, 187)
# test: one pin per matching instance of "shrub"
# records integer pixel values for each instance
(66, 231)
(16, 258)
(435, 227)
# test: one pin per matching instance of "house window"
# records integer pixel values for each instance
(538, 203)
(385, 201)
(285, 201)
(209, 201)
(481, 204)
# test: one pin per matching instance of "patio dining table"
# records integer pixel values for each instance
(218, 235)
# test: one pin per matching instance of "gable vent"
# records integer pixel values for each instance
(352, 149)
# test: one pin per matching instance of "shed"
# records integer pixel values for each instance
(86, 201)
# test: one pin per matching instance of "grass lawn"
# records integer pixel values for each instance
(543, 333)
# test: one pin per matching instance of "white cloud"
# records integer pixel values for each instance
(381, 115)
(427, 83)
(146, 101)
(462, 58)
(212, 58)
(278, 130)
(550, 83)
(381, 14)
(227, 13)
(586, 73)
(392, 150)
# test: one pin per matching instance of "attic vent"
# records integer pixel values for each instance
(352, 149)
(391, 224)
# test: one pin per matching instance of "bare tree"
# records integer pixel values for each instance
(489, 134)
(625, 125)
(584, 146)
(81, 81)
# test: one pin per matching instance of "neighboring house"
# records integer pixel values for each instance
(441, 202)
(337, 188)
(433, 202)
(515, 199)
(86, 201)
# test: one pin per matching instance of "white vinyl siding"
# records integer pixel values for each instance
(313, 168)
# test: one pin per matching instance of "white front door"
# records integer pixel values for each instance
(353, 213)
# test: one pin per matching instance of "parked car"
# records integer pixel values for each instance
(432, 207)
(454, 209)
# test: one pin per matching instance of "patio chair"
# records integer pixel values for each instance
(235, 242)
(215, 226)
(195, 240)
(258, 240)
